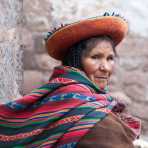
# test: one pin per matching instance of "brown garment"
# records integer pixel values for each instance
(108, 133)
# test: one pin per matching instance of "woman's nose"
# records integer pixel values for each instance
(104, 66)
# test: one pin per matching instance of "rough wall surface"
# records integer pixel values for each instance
(10, 54)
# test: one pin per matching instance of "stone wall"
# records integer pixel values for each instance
(10, 49)
(37, 64)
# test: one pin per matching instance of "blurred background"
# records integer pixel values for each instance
(25, 64)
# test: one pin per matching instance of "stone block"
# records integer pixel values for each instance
(39, 43)
(45, 62)
(29, 62)
(37, 15)
(32, 80)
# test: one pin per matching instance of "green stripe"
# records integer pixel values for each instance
(12, 125)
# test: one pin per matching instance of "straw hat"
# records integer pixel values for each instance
(59, 42)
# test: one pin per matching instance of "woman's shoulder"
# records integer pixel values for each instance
(74, 88)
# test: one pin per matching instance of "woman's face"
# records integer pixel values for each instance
(98, 62)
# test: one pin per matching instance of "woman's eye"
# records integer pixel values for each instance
(95, 57)
(111, 58)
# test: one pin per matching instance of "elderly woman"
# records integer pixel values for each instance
(74, 109)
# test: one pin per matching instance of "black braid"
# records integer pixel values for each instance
(74, 55)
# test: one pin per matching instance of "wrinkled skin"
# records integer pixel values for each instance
(98, 62)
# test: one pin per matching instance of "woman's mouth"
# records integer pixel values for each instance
(102, 77)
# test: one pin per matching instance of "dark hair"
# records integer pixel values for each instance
(75, 53)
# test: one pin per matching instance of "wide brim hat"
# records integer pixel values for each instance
(59, 42)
